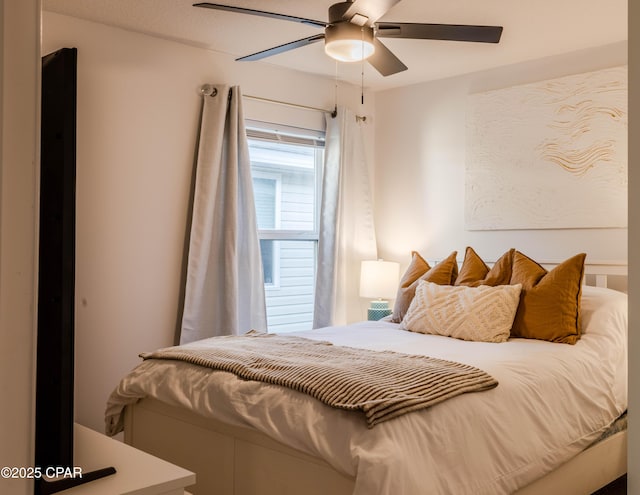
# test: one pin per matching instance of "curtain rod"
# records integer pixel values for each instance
(210, 90)
(333, 113)
(287, 104)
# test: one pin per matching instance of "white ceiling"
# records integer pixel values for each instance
(532, 29)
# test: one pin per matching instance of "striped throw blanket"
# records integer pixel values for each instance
(382, 384)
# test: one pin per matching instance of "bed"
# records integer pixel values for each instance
(543, 429)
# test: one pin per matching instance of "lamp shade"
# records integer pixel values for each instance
(379, 279)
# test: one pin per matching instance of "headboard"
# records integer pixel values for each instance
(611, 274)
(598, 273)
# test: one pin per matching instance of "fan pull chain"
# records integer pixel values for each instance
(335, 106)
(362, 70)
(362, 85)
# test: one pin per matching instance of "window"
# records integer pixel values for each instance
(286, 167)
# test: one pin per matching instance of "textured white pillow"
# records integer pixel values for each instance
(481, 313)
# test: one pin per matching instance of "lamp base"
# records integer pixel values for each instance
(379, 309)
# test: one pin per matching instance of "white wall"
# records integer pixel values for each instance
(420, 168)
(19, 133)
(138, 108)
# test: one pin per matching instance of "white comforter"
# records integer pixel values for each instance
(552, 401)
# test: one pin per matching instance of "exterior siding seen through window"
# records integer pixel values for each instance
(285, 180)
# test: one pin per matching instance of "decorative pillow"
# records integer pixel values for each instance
(550, 302)
(415, 270)
(482, 314)
(604, 312)
(475, 272)
(444, 273)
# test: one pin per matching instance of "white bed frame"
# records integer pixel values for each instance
(231, 460)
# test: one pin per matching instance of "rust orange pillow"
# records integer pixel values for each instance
(474, 271)
(444, 273)
(549, 306)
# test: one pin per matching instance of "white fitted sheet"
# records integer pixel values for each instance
(552, 401)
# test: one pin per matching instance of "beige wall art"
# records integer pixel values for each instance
(549, 155)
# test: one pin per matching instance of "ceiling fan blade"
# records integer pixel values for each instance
(282, 48)
(261, 13)
(451, 32)
(372, 10)
(384, 61)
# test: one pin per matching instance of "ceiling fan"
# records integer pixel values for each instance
(352, 33)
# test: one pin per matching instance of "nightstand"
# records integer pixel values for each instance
(137, 473)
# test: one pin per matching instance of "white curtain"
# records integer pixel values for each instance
(224, 292)
(347, 232)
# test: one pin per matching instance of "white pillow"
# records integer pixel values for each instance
(481, 313)
(604, 317)
(603, 311)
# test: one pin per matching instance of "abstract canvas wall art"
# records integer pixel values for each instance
(549, 155)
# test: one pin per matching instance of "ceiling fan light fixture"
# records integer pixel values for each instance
(348, 42)
(352, 33)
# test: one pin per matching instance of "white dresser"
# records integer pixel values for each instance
(137, 473)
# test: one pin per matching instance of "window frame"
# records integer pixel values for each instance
(270, 132)
(274, 133)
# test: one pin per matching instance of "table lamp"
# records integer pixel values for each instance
(379, 281)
